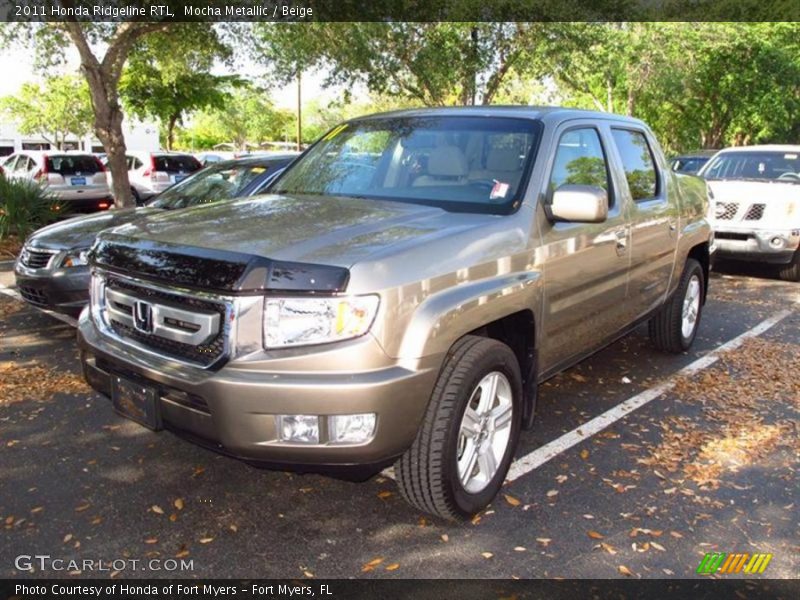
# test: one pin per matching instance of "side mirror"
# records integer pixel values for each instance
(579, 204)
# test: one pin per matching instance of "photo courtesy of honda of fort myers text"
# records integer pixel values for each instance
(444, 299)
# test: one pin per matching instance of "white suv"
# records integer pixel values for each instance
(150, 173)
(77, 179)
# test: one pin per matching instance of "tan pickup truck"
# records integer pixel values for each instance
(400, 293)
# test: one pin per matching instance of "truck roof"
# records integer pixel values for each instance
(548, 113)
(764, 148)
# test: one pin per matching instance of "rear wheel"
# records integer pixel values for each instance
(467, 440)
(136, 197)
(791, 272)
(674, 327)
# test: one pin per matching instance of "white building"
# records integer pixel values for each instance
(138, 136)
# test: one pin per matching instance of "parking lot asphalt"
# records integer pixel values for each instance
(710, 465)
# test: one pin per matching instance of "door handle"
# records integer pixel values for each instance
(622, 241)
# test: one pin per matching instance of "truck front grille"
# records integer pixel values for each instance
(725, 211)
(173, 325)
(755, 212)
(35, 259)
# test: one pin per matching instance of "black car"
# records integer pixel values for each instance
(691, 163)
(52, 271)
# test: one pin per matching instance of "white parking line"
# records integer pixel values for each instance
(541, 455)
(12, 293)
(534, 460)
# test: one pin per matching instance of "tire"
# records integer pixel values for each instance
(791, 272)
(136, 197)
(429, 474)
(667, 331)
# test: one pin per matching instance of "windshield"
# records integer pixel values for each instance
(766, 166)
(217, 182)
(177, 163)
(469, 164)
(688, 164)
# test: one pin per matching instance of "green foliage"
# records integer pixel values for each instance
(54, 110)
(24, 207)
(169, 76)
(246, 119)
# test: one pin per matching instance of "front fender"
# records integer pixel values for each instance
(444, 317)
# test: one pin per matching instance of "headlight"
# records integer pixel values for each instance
(76, 258)
(302, 321)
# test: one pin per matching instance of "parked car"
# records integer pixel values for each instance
(209, 158)
(151, 173)
(400, 293)
(77, 180)
(756, 212)
(51, 271)
(690, 164)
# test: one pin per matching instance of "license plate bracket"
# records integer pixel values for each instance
(78, 181)
(136, 402)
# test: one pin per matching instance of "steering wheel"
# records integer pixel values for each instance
(790, 176)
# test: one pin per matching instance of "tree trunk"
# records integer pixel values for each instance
(171, 130)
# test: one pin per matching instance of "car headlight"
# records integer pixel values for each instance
(303, 321)
(76, 258)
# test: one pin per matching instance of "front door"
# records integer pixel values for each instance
(585, 264)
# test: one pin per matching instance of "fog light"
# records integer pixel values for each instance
(776, 242)
(299, 429)
(351, 429)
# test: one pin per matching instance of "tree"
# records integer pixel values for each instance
(434, 64)
(169, 76)
(246, 119)
(54, 110)
(104, 48)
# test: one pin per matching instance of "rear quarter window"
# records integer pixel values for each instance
(638, 162)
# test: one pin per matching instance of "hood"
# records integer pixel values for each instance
(80, 232)
(325, 230)
(753, 191)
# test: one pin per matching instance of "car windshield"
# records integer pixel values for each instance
(762, 166)
(688, 164)
(217, 182)
(73, 164)
(467, 164)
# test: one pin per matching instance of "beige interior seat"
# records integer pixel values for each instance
(447, 165)
(502, 164)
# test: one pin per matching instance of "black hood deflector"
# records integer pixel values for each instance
(207, 269)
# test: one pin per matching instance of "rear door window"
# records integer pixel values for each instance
(637, 160)
(176, 164)
(72, 165)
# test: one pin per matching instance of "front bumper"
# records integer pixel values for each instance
(234, 410)
(763, 245)
(60, 290)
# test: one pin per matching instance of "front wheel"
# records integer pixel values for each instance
(791, 272)
(467, 440)
(674, 326)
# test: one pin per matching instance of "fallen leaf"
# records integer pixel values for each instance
(371, 565)
(625, 571)
(234, 528)
(82, 507)
(151, 540)
(511, 500)
(588, 516)
(584, 454)
(608, 548)
(308, 574)
(157, 509)
(384, 494)
(173, 517)
(595, 535)
(67, 538)
(552, 493)
(445, 537)
(183, 553)
(393, 567)
(178, 503)
(544, 541)
(37, 509)
(206, 540)
(487, 554)
(658, 546)
(675, 534)
(520, 549)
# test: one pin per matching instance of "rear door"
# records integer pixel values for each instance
(654, 217)
(586, 264)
